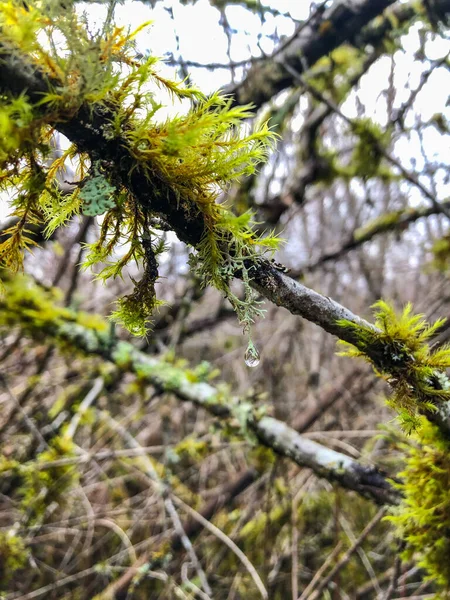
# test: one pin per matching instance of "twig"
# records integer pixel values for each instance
(228, 542)
(395, 577)
(121, 533)
(166, 494)
(29, 422)
(90, 398)
(191, 528)
(400, 221)
(271, 432)
(347, 556)
(312, 584)
(54, 585)
(362, 555)
(335, 108)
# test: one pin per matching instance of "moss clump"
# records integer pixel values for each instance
(399, 351)
(36, 309)
(382, 223)
(368, 153)
(13, 556)
(184, 162)
(333, 74)
(441, 253)
(42, 486)
(423, 518)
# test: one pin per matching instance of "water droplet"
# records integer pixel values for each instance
(252, 357)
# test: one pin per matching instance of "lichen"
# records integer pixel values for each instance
(97, 195)
(186, 159)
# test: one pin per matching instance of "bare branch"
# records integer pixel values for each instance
(345, 21)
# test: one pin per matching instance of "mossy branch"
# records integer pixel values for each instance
(172, 169)
(397, 222)
(133, 166)
(35, 311)
(399, 350)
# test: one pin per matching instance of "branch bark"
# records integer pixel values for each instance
(272, 433)
(87, 130)
(345, 21)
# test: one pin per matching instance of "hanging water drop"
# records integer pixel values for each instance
(252, 357)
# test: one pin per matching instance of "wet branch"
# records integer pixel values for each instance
(270, 432)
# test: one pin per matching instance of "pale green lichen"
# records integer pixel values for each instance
(97, 195)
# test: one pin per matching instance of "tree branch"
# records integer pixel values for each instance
(389, 222)
(272, 433)
(345, 21)
(87, 130)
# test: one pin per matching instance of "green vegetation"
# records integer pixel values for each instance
(423, 518)
(140, 174)
(399, 350)
(192, 156)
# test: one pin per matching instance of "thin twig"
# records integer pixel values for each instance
(347, 556)
(312, 584)
(166, 494)
(29, 422)
(335, 108)
(228, 542)
(90, 398)
(395, 577)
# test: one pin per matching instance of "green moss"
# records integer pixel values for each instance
(188, 158)
(36, 310)
(385, 222)
(7, 464)
(368, 151)
(13, 556)
(170, 377)
(255, 531)
(41, 486)
(333, 74)
(399, 351)
(192, 449)
(423, 518)
(441, 253)
(261, 457)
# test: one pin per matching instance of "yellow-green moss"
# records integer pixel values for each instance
(13, 556)
(192, 156)
(423, 518)
(383, 223)
(36, 309)
(399, 351)
(42, 486)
